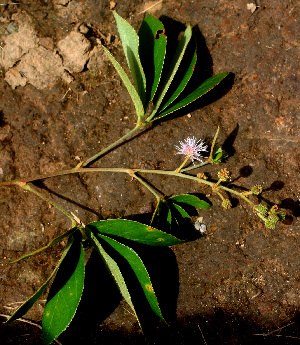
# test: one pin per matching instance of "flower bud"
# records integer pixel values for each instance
(273, 209)
(224, 175)
(256, 189)
(226, 204)
(202, 176)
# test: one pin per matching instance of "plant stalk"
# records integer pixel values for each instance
(30, 189)
(131, 172)
(110, 147)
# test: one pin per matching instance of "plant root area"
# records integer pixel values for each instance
(61, 101)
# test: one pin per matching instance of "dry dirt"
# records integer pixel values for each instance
(61, 101)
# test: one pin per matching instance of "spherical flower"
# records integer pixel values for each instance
(224, 175)
(226, 204)
(256, 189)
(192, 148)
(262, 209)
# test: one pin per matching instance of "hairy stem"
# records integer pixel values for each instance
(195, 166)
(183, 164)
(210, 158)
(110, 147)
(32, 190)
(131, 172)
(144, 183)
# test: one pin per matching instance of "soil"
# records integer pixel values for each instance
(61, 101)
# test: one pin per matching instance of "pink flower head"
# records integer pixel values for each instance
(191, 148)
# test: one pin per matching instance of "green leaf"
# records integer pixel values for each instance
(112, 266)
(152, 51)
(135, 231)
(175, 64)
(184, 81)
(171, 214)
(52, 243)
(208, 85)
(30, 302)
(181, 211)
(130, 43)
(140, 271)
(130, 88)
(219, 154)
(65, 293)
(178, 214)
(190, 200)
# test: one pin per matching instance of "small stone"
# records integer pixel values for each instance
(83, 29)
(74, 49)
(17, 44)
(251, 7)
(42, 67)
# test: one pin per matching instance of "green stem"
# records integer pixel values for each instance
(183, 164)
(194, 178)
(217, 183)
(108, 148)
(195, 166)
(144, 183)
(210, 158)
(220, 195)
(238, 194)
(151, 116)
(127, 171)
(30, 189)
(75, 170)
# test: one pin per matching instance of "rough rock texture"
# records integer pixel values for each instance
(16, 44)
(74, 49)
(40, 68)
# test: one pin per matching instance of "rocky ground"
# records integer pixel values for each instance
(62, 101)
